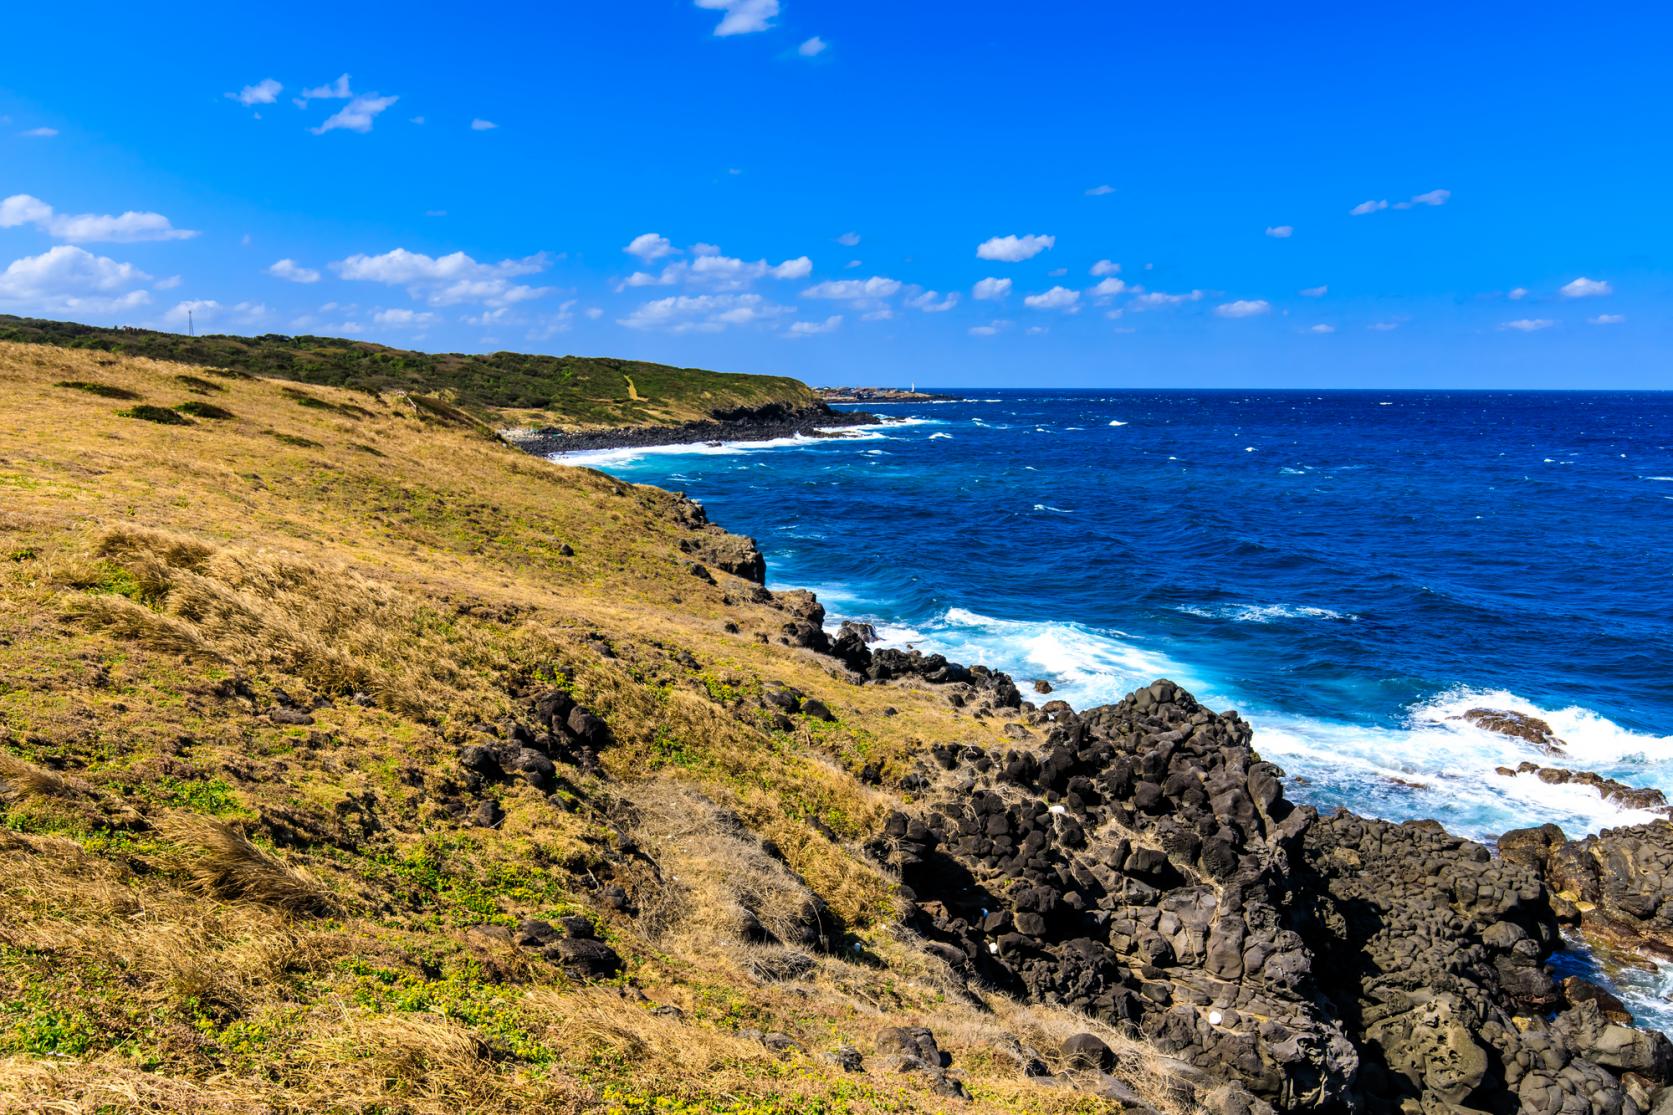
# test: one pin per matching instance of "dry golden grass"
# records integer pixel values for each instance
(224, 863)
(204, 908)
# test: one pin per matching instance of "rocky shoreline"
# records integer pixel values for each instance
(1143, 865)
(763, 423)
(1139, 862)
(878, 395)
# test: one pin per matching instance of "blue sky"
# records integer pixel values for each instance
(972, 193)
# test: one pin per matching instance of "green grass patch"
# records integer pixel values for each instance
(199, 385)
(294, 439)
(161, 415)
(199, 409)
(103, 390)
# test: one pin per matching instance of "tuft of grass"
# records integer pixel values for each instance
(161, 415)
(199, 409)
(19, 779)
(103, 390)
(227, 865)
(198, 384)
(295, 439)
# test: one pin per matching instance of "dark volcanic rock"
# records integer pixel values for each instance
(1518, 725)
(1618, 885)
(1144, 866)
(1627, 797)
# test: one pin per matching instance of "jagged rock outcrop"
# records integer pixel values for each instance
(1617, 885)
(1610, 789)
(1517, 725)
(1144, 866)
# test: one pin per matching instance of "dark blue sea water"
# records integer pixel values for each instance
(1350, 570)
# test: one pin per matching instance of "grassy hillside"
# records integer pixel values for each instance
(254, 641)
(503, 388)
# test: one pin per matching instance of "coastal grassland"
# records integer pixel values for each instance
(242, 868)
(501, 388)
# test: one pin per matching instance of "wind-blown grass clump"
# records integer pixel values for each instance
(103, 390)
(163, 416)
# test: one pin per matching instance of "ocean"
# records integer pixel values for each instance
(1349, 570)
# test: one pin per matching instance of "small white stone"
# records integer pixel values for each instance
(1215, 1018)
(1058, 809)
(993, 948)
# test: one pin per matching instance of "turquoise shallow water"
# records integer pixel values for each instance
(1350, 570)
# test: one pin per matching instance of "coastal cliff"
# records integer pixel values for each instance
(351, 759)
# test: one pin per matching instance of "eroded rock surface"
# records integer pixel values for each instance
(1617, 886)
(1144, 866)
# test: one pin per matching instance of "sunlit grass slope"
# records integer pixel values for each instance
(247, 630)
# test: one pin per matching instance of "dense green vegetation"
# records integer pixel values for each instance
(501, 387)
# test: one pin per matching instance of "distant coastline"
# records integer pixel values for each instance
(878, 395)
(763, 423)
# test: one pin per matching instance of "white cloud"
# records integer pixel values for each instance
(989, 289)
(197, 309)
(799, 268)
(1057, 298)
(1105, 267)
(1314, 291)
(1586, 288)
(850, 290)
(648, 246)
(292, 271)
(1433, 197)
(40, 133)
(23, 209)
(708, 266)
(263, 92)
(989, 329)
(481, 125)
(809, 328)
(1100, 191)
(72, 280)
(1518, 294)
(742, 16)
(331, 91)
(1383, 326)
(702, 313)
(87, 228)
(1321, 329)
(1243, 307)
(357, 115)
(1155, 298)
(450, 279)
(1280, 232)
(849, 239)
(932, 302)
(812, 47)
(202, 311)
(1107, 288)
(167, 284)
(1606, 319)
(1014, 249)
(1528, 325)
(416, 319)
